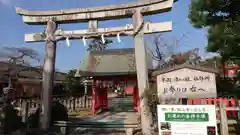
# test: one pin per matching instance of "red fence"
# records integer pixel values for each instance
(229, 102)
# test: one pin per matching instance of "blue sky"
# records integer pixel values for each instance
(13, 29)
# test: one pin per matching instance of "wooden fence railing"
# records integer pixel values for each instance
(73, 104)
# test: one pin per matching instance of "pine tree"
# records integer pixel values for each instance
(222, 18)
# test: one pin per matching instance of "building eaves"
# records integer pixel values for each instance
(177, 67)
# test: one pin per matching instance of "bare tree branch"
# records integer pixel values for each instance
(18, 59)
(21, 54)
(164, 52)
(159, 43)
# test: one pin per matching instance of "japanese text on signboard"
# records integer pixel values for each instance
(193, 88)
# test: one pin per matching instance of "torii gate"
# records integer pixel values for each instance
(92, 15)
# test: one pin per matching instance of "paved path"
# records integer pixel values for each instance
(107, 117)
(121, 111)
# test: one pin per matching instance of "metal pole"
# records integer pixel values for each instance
(48, 74)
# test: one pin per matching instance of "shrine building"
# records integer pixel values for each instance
(110, 70)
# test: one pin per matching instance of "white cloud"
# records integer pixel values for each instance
(8, 3)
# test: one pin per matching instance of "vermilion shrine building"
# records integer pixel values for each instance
(108, 69)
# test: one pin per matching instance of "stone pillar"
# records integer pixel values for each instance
(48, 74)
(142, 73)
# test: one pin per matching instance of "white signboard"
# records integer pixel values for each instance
(187, 120)
(186, 83)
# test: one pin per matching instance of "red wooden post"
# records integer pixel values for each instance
(134, 99)
(105, 100)
(138, 100)
(209, 101)
(100, 98)
(138, 106)
(94, 98)
(97, 98)
(233, 103)
(190, 102)
(215, 100)
(194, 101)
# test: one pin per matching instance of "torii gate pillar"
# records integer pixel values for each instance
(48, 73)
(142, 72)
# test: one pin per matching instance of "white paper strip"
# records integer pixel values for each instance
(68, 42)
(103, 40)
(84, 41)
(118, 37)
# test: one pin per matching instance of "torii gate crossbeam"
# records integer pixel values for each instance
(92, 15)
(148, 7)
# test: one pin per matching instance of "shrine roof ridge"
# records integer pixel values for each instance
(193, 67)
(80, 73)
(87, 10)
(112, 51)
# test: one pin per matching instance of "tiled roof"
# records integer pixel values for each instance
(109, 62)
(30, 72)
